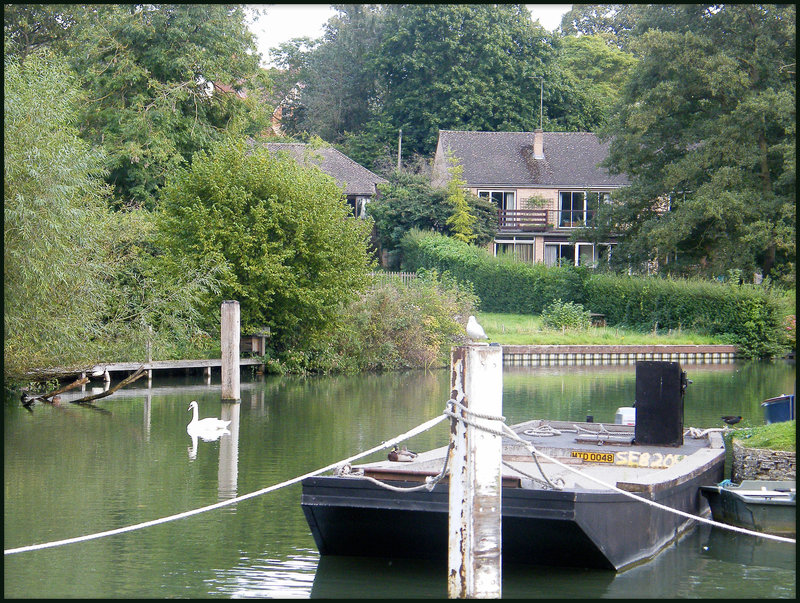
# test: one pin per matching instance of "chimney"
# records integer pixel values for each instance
(538, 144)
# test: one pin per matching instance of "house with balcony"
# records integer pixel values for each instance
(545, 184)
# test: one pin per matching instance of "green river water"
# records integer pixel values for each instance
(71, 471)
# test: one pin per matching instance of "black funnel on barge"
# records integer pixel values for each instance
(659, 403)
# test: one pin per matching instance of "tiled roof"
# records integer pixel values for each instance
(571, 159)
(356, 179)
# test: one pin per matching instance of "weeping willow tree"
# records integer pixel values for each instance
(82, 284)
(55, 245)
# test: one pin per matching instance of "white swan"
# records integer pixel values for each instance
(204, 427)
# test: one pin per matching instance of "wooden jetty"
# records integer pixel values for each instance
(105, 370)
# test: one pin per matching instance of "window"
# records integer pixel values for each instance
(520, 250)
(573, 208)
(577, 254)
(559, 254)
(504, 199)
(578, 209)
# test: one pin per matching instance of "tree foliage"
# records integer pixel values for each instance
(149, 72)
(54, 247)
(458, 66)
(421, 68)
(614, 23)
(600, 68)
(339, 85)
(706, 131)
(409, 202)
(278, 233)
(461, 219)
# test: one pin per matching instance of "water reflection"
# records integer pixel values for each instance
(229, 451)
(703, 563)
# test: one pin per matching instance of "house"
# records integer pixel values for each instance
(545, 185)
(360, 184)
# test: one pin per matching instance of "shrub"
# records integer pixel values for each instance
(566, 315)
(391, 326)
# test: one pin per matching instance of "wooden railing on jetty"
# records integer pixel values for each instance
(516, 355)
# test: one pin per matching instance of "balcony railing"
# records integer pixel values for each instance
(543, 219)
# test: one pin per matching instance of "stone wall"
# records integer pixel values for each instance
(761, 463)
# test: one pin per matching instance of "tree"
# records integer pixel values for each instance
(706, 131)
(54, 247)
(29, 27)
(339, 82)
(599, 68)
(163, 81)
(409, 202)
(278, 233)
(460, 66)
(461, 219)
(614, 23)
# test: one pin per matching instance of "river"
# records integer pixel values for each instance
(71, 471)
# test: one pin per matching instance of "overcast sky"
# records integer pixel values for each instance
(283, 22)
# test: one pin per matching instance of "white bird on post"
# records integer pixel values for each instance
(475, 330)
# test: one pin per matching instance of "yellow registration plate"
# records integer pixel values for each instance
(594, 457)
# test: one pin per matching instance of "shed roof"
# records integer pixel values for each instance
(571, 159)
(356, 179)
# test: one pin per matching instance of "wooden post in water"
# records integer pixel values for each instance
(229, 344)
(149, 353)
(474, 531)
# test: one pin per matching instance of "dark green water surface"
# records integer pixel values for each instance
(71, 471)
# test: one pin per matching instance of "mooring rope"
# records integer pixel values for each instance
(412, 432)
(430, 482)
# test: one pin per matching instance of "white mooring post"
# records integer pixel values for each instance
(474, 532)
(229, 343)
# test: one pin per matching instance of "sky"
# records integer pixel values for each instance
(282, 22)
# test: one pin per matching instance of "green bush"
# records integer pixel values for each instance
(390, 326)
(502, 283)
(566, 315)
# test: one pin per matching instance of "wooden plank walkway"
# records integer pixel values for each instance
(163, 365)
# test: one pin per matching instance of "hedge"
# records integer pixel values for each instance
(748, 316)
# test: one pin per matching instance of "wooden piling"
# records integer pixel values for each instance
(474, 531)
(229, 344)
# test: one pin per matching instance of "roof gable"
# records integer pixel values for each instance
(571, 159)
(354, 177)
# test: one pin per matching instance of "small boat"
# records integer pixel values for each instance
(779, 409)
(758, 505)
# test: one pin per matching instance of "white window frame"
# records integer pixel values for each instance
(490, 192)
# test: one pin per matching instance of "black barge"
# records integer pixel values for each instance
(566, 519)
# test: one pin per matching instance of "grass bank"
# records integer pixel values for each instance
(519, 329)
(775, 436)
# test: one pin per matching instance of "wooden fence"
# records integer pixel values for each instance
(380, 277)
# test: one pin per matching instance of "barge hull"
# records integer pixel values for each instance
(594, 529)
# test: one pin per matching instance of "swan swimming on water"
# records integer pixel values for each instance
(209, 427)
